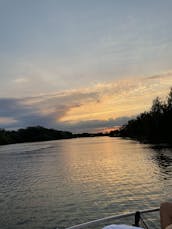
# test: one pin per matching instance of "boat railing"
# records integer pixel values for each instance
(137, 218)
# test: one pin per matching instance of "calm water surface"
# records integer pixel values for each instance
(61, 183)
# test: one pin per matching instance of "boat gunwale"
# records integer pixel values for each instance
(112, 217)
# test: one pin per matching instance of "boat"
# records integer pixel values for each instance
(139, 220)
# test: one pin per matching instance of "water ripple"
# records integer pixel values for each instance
(61, 183)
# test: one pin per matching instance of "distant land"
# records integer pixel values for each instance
(154, 126)
(38, 133)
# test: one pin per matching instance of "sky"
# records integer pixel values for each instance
(82, 65)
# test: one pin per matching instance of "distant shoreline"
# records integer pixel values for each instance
(39, 134)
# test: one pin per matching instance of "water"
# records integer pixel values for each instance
(61, 183)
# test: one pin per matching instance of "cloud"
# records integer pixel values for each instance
(165, 75)
(7, 121)
(103, 105)
(47, 111)
(95, 125)
(19, 115)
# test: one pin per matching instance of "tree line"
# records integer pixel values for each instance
(32, 134)
(38, 133)
(154, 126)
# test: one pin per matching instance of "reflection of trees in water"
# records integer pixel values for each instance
(163, 160)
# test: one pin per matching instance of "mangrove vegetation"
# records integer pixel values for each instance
(154, 126)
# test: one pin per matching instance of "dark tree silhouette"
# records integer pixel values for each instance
(154, 126)
(39, 133)
(32, 134)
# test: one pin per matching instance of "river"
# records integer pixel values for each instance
(62, 183)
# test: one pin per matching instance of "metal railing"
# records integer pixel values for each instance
(114, 217)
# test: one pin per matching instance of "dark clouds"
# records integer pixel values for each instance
(27, 115)
(23, 115)
(96, 125)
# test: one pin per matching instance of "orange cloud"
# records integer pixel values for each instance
(119, 98)
(6, 120)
